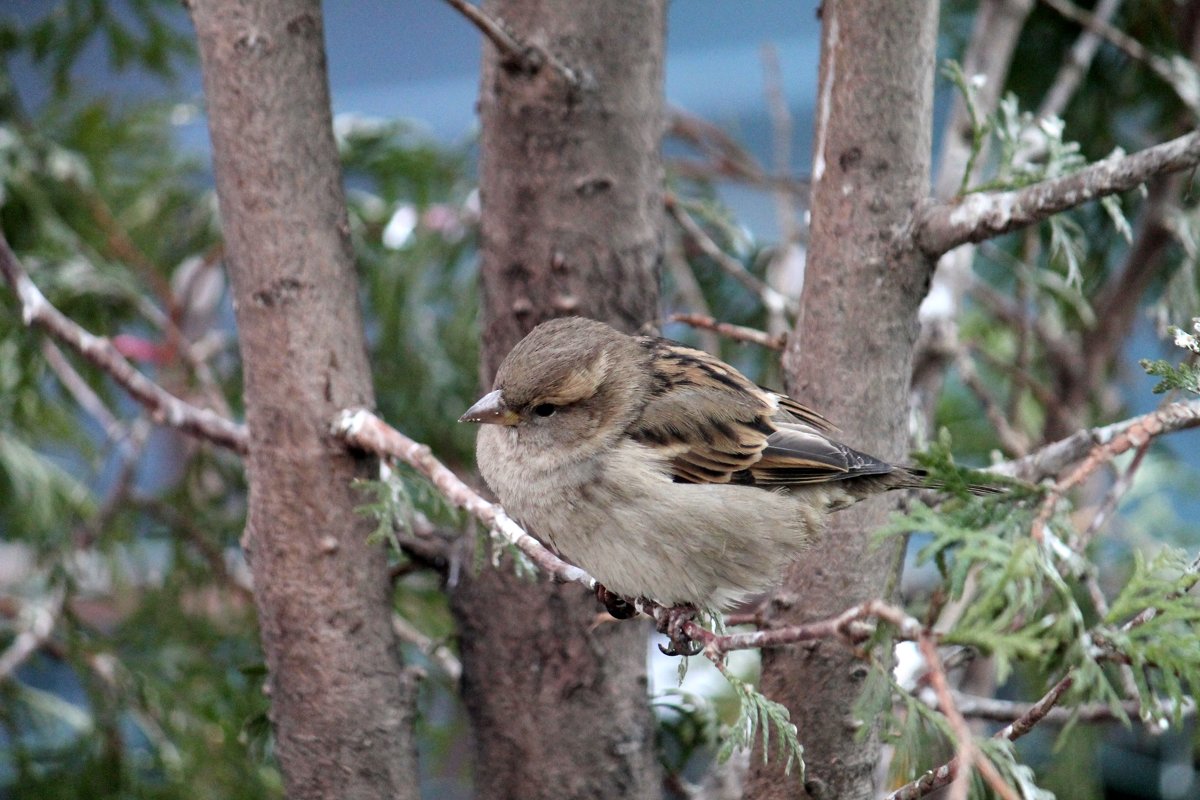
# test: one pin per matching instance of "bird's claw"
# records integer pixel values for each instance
(672, 624)
(689, 648)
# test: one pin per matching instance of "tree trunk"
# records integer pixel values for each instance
(852, 354)
(341, 704)
(571, 187)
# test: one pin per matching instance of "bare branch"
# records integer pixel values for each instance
(941, 776)
(850, 626)
(1076, 64)
(727, 159)
(773, 300)
(737, 332)
(1138, 433)
(529, 57)
(1024, 715)
(85, 396)
(1053, 458)
(786, 268)
(1183, 85)
(1012, 440)
(1037, 712)
(968, 753)
(984, 215)
(691, 295)
(164, 407)
(435, 651)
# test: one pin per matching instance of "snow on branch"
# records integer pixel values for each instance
(975, 217)
(164, 407)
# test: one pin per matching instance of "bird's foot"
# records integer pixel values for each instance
(671, 621)
(617, 606)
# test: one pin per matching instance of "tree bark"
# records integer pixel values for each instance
(571, 188)
(851, 355)
(341, 703)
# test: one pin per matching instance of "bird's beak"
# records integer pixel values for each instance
(490, 410)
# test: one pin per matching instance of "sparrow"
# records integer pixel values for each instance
(661, 470)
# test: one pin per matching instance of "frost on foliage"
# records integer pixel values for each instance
(1184, 376)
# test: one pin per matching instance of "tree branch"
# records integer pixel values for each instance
(164, 407)
(935, 779)
(849, 626)
(968, 752)
(528, 57)
(1138, 433)
(365, 431)
(738, 333)
(1072, 70)
(727, 159)
(1055, 457)
(984, 215)
(773, 300)
(1171, 73)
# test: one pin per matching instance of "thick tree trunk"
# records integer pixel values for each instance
(852, 352)
(571, 186)
(340, 700)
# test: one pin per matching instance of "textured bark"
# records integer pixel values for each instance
(341, 703)
(571, 187)
(852, 352)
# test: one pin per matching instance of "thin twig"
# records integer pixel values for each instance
(1164, 68)
(528, 57)
(850, 626)
(736, 332)
(435, 651)
(691, 294)
(968, 753)
(787, 254)
(1014, 443)
(994, 710)
(129, 452)
(1072, 70)
(727, 159)
(1037, 712)
(771, 299)
(1112, 498)
(943, 775)
(84, 395)
(164, 407)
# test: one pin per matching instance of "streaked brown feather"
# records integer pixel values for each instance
(719, 427)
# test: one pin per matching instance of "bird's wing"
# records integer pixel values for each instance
(713, 425)
(798, 453)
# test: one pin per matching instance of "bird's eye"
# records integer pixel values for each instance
(545, 409)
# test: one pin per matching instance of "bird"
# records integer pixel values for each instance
(659, 469)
